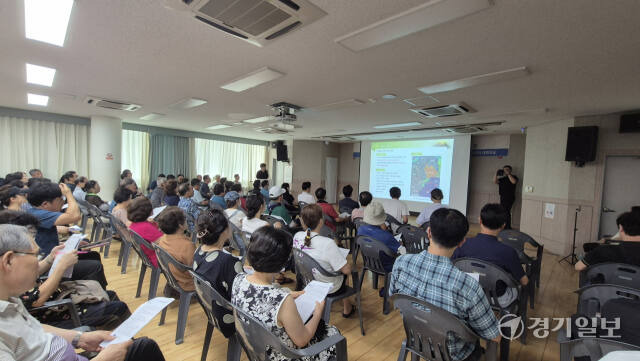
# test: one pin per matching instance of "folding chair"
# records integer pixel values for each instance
(256, 339)
(427, 327)
(612, 273)
(164, 261)
(208, 296)
(126, 243)
(415, 240)
(137, 243)
(371, 249)
(307, 268)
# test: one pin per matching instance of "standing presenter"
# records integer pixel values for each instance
(507, 188)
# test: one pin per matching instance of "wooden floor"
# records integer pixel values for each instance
(384, 334)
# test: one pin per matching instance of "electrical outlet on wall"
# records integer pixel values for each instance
(528, 189)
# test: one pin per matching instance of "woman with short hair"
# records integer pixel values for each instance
(138, 212)
(122, 197)
(171, 194)
(172, 223)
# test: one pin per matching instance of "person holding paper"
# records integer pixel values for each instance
(325, 251)
(23, 338)
(268, 252)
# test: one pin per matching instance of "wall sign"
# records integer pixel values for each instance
(109, 156)
(500, 152)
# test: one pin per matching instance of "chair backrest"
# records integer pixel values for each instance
(345, 210)
(517, 240)
(256, 339)
(371, 249)
(302, 204)
(237, 241)
(426, 327)
(489, 273)
(415, 239)
(392, 220)
(208, 296)
(138, 242)
(614, 274)
(592, 298)
(122, 230)
(424, 226)
(272, 220)
(357, 222)
(308, 268)
(329, 219)
(164, 261)
(326, 232)
(597, 348)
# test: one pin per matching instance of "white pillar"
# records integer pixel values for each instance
(105, 138)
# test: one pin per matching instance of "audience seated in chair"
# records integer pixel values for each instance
(79, 193)
(255, 208)
(172, 223)
(215, 265)
(287, 198)
(347, 204)
(375, 227)
(93, 188)
(158, 193)
(218, 197)
(327, 209)
(122, 196)
(171, 193)
(276, 209)
(156, 182)
(232, 212)
(12, 197)
(431, 276)
(396, 208)
(487, 247)
(365, 198)
(325, 251)
(264, 190)
(436, 199)
(204, 186)
(188, 205)
(627, 251)
(305, 196)
(197, 197)
(269, 251)
(68, 178)
(22, 337)
(138, 212)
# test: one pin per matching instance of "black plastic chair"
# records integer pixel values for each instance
(85, 214)
(517, 241)
(612, 273)
(393, 222)
(301, 205)
(427, 326)
(592, 298)
(137, 243)
(237, 241)
(126, 243)
(164, 260)
(65, 304)
(371, 249)
(307, 268)
(415, 239)
(490, 275)
(594, 348)
(424, 226)
(256, 339)
(207, 296)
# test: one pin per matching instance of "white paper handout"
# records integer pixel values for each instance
(343, 251)
(315, 291)
(398, 237)
(69, 246)
(157, 211)
(140, 318)
(75, 229)
(476, 276)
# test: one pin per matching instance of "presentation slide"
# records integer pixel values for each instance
(417, 166)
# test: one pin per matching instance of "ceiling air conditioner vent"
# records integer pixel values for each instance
(271, 130)
(443, 111)
(112, 104)
(256, 21)
(465, 130)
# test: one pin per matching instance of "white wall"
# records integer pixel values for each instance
(105, 137)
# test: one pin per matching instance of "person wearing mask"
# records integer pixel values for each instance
(79, 193)
(506, 182)
(69, 178)
(365, 198)
(305, 196)
(436, 199)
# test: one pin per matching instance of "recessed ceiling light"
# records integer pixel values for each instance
(36, 99)
(219, 126)
(40, 75)
(398, 125)
(475, 80)
(47, 20)
(253, 79)
(257, 120)
(389, 96)
(188, 103)
(152, 116)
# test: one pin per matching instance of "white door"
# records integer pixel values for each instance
(620, 192)
(331, 178)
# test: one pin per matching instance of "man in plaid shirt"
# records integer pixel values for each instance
(431, 276)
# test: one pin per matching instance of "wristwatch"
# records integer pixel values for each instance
(76, 340)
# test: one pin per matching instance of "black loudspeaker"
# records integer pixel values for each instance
(630, 123)
(582, 144)
(281, 152)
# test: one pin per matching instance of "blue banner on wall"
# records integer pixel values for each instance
(502, 152)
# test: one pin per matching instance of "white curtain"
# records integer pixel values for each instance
(135, 155)
(227, 158)
(51, 147)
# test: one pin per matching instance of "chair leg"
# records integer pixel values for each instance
(125, 257)
(163, 315)
(155, 277)
(359, 312)
(234, 349)
(326, 313)
(532, 293)
(207, 341)
(183, 313)
(402, 356)
(358, 287)
(385, 304)
(143, 270)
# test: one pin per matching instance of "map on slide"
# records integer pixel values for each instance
(425, 175)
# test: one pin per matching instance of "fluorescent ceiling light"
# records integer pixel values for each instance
(47, 20)
(398, 125)
(188, 103)
(253, 79)
(40, 75)
(258, 120)
(476, 80)
(219, 126)
(36, 99)
(152, 116)
(421, 17)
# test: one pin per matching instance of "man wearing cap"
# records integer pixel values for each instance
(375, 217)
(13, 198)
(234, 215)
(276, 208)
